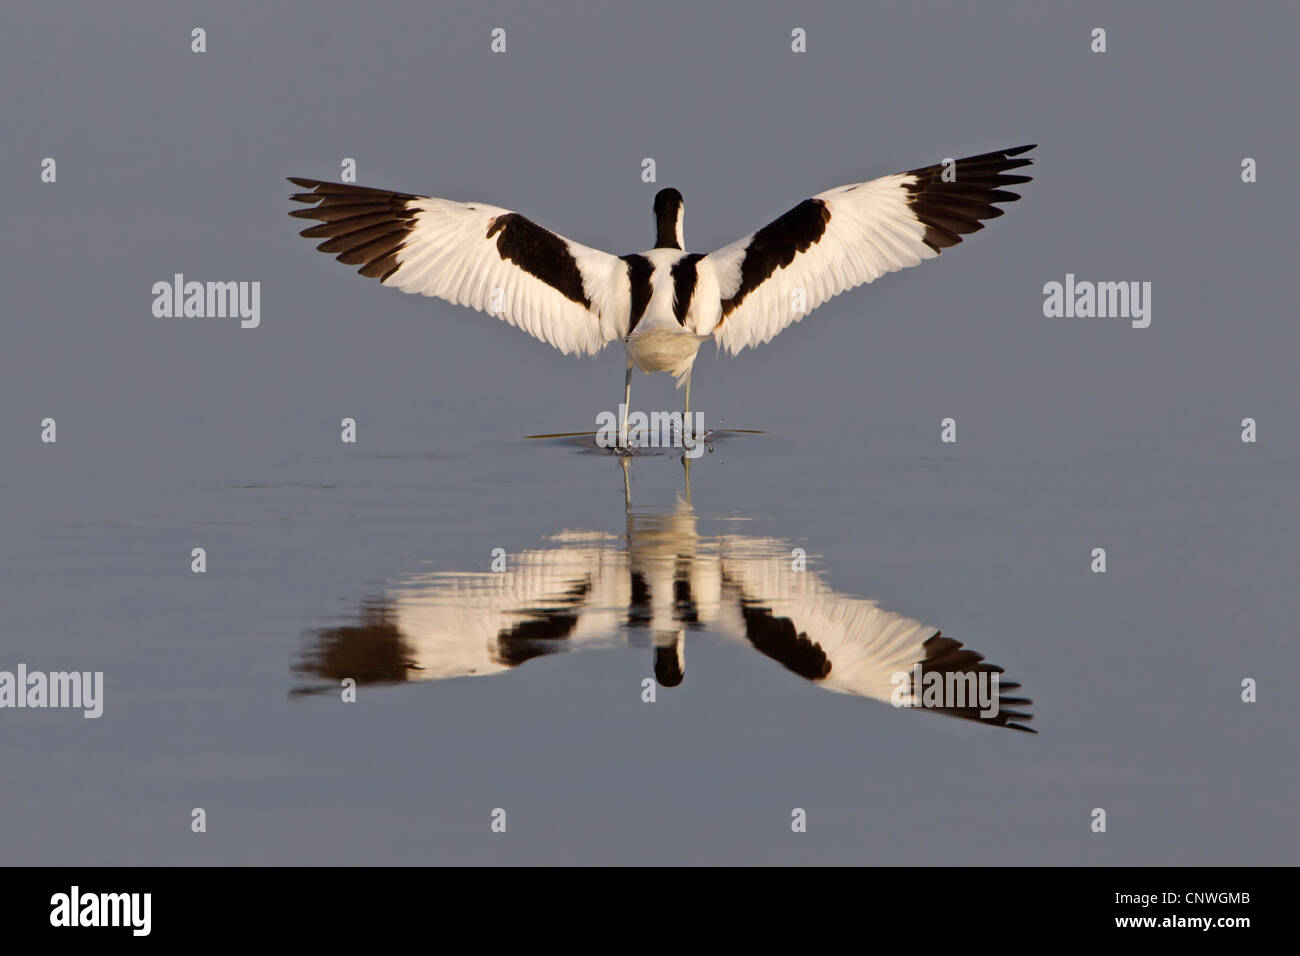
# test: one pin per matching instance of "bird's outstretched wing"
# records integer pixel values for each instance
(473, 254)
(844, 237)
(853, 646)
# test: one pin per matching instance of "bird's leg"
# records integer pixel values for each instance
(686, 467)
(686, 415)
(624, 461)
(687, 429)
(627, 400)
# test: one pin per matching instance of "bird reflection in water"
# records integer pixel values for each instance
(659, 581)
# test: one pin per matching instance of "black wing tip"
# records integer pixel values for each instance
(944, 654)
(1009, 719)
(311, 197)
(361, 226)
(1005, 719)
(344, 192)
(953, 206)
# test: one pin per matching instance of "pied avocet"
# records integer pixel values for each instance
(664, 302)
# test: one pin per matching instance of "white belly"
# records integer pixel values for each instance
(664, 350)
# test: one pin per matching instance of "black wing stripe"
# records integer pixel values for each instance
(639, 271)
(543, 630)
(685, 274)
(540, 253)
(775, 246)
(777, 638)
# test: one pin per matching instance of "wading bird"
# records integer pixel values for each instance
(664, 302)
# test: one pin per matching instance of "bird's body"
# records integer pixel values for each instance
(664, 302)
(658, 341)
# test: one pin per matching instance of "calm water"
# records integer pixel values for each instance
(1132, 673)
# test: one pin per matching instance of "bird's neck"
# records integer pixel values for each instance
(668, 229)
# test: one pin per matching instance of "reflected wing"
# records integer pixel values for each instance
(849, 644)
(473, 254)
(663, 579)
(460, 624)
(844, 237)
